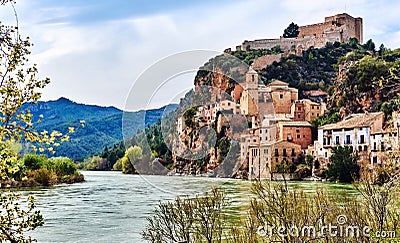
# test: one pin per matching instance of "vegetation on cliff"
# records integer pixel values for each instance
(357, 78)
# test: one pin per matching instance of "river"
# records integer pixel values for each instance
(112, 207)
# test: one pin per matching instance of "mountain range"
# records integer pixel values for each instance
(103, 125)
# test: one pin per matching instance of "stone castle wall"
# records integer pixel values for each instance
(340, 27)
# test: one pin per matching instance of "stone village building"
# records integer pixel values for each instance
(340, 28)
(364, 132)
(279, 122)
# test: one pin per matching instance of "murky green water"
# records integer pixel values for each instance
(112, 207)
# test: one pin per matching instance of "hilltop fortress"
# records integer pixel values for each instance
(340, 28)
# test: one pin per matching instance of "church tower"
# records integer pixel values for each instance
(249, 99)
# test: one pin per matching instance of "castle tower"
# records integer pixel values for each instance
(249, 99)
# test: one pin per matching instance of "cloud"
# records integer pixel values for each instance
(96, 62)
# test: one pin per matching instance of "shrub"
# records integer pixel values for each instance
(43, 176)
(63, 166)
(198, 219)
(33, 161)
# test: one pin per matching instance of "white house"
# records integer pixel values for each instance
(355, 130)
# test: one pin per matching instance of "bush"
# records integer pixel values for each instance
(118, 165)
(63, 166)
(43, 176)
(198, 219)
(33, 161)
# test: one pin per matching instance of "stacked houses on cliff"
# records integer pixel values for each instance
(280, 133)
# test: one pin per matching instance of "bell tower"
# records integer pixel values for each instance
(249, 99)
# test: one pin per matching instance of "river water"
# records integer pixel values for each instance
(112, 207)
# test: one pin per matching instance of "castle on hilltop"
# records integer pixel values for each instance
(340, 28)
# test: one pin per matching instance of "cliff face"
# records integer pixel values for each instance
(362, 85)
(357, 80)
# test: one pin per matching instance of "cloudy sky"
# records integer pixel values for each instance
(94, 50)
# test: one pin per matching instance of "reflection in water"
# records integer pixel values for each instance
(112, 207)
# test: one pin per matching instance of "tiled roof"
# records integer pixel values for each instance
(355, 120)
(318, 92)
(278, 83)
(295, 124)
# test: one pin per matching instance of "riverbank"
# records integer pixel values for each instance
(34, 170)
(43, 182)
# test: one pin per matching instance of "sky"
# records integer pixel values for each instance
(95, 50)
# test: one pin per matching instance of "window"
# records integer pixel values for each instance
(317, 107)
(347, 139)
(312, 113)
(297, 129)
(265, 151)
(252, 77)
(281, 96)
(293, 152)
(317, 115)
(304, 136)
(284, 152)
(374, 145)
(365, 148)
(298, 115)
(260, 131)
(375, 159)
(299, 108)
(337, 140)
(260, 138)
(382, 146)
(326, 154)
(298, 136)
(360, 148)
(324, 141)
(276, 152)
(362, 139)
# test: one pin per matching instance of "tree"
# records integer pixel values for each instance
(369, 45)
(198, 219)
(343, 164)
(19, 86)
(291, 31)
(132, 155)
(353, 42)
(15, 221)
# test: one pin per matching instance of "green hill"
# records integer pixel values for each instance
(103, 125)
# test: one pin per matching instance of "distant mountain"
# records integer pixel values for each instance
(103, 125)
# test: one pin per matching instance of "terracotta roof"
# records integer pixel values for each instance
(314, 93)
(286, 142)
(355, 120)
(278, 83)
(251, 70)
(295, 124)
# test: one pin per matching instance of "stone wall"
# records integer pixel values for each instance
(340, 27)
